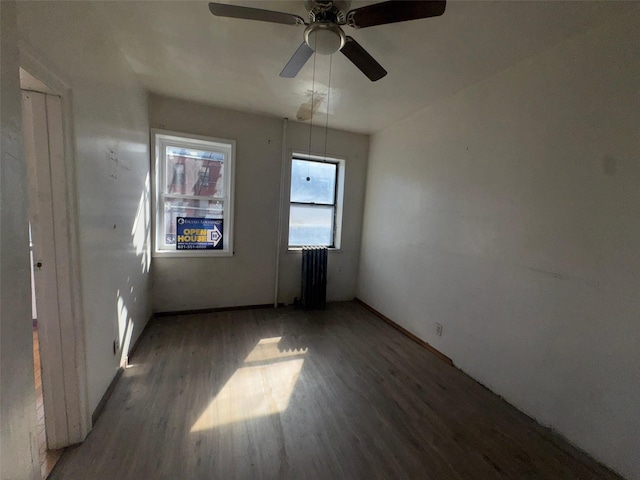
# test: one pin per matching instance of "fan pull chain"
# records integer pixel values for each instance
(326, 124)
(313, 92)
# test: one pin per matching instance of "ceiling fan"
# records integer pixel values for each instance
(324, 35)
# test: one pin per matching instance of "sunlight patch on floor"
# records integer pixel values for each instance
(261, 387)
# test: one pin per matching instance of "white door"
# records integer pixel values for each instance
(44, 152)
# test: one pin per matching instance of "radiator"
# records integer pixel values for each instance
(314, 277)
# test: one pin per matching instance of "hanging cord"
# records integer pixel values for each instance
(313, 92)
(283, 169)
(326, 124)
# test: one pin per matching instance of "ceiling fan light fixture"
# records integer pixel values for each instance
(324, 38)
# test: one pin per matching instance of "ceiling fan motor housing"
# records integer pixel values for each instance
(326, 11)
(324, 38)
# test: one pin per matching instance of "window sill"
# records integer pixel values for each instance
(191, 253)
(299, 250)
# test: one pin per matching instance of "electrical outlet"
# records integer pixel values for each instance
(439, 329)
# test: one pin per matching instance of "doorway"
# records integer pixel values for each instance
(42, 127)
(58, 334)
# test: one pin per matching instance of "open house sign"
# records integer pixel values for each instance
(194, 233)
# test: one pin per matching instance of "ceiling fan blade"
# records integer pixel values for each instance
(394, 11)
(297, 61)
(248, 13)
(361, 59)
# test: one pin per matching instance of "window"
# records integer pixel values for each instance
(315, 210)
(193, 195)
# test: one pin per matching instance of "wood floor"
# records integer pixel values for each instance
(285, 394)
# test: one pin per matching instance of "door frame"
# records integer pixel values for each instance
(70, 397)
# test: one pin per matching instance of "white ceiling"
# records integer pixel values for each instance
(177, 48)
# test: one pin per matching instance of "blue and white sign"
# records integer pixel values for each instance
(198, 233)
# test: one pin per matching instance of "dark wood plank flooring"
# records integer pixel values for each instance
(286, 394)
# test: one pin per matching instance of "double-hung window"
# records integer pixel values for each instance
(193, 195)
(315, 209)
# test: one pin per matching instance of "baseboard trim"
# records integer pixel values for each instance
(212, 310)
(407, 333)
(105, 398)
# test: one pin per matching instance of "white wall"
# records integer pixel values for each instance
(248, 277)
(18, 447)
(112, 166)
(510, 215)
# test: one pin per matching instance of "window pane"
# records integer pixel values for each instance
(313, 182)
(194, 172)
(174, 207)
(310, 225)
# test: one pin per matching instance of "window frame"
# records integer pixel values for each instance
(160, 139)
(338, 200)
